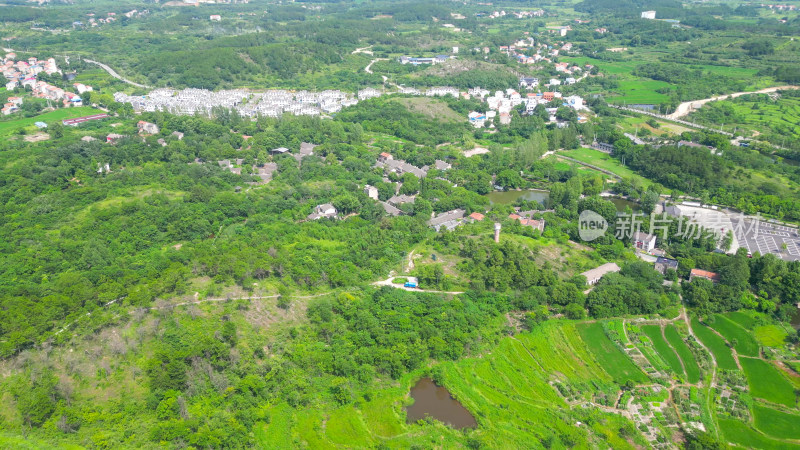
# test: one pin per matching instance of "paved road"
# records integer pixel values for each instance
(687, 107)
(389, 282)
(114, 74)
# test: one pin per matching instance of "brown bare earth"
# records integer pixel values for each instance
(37, 137)
(455, 66)
(431, 107)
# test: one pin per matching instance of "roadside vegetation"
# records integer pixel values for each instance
(156, 290)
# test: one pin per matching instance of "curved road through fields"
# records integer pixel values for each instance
(687, 107)
(114, 74)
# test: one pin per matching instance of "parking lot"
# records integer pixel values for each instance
(763, 237)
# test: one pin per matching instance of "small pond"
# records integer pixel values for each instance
(541, 196)
(508, 197)
(796, 319)
(436, 402)
(622, 203)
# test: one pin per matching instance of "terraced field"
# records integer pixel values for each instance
(722, 353)
(689, 363)
(745, 343)
(664, 350)
(777, 423)
(767, 382)
(742, 434)
(508, 391)
(611, 358)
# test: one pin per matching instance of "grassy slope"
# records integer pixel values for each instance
(432, 108)
(604, 161)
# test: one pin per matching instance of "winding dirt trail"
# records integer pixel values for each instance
(687, 107)
(114, 74)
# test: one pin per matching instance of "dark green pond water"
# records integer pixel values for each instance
(541, 196)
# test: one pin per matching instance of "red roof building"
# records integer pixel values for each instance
(705, 274)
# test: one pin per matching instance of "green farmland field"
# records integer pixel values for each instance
(717, 346)
(770, 335)
(664, 350)
(52, 116)
(689, 363)
(767, 382)
(611, 358)
(742, 434)
(777, 423)
(745, 344)
(747, 321)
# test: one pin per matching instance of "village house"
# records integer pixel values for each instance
(147, 127)
(391, 210)
(527, 221)
(447, 220)
(368, 93)
(323, 211)
(371, 192)
(113, 138)
(528, 82)
(663, 264)
(476, 217)
(704, 274)
(441, 165)
(402, 198)
(398, 166)
(476, 119)
(266, 171)
(643, 241)
(81, 88)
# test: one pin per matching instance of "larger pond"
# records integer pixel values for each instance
(436, 402)
(541, 196)
(622, 203)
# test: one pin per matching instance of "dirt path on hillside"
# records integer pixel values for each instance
(114, 74)
(368, 69)
(687, 107)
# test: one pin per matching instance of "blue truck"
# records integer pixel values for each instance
(410, 284)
